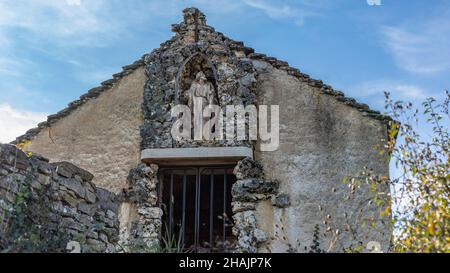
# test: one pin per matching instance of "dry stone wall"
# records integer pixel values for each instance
(44, 206)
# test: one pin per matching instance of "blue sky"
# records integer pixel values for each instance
(52, 51)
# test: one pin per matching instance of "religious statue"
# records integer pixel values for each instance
(201, 95)
(201, 90)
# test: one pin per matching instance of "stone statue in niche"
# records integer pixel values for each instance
(201, 94)
(201, 90)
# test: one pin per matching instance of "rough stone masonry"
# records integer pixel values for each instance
(44, 206)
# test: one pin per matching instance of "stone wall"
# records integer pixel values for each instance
(250, 189)
(99, 132)
(322, 140)
(141, 231)
(45, 205)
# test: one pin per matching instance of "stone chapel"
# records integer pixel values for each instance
(114, 143)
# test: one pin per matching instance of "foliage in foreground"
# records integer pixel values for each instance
(420, 194)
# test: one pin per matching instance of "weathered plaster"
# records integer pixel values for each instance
(102, 135)
(322, 140)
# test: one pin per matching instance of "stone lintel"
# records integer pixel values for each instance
(196, 156)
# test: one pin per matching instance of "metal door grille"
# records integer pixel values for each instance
(197, 208)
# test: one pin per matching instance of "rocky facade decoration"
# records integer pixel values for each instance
(44, 206)
(249, 189)
(142, 234)
(172, 68)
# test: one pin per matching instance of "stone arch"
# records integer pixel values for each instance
(211, 76)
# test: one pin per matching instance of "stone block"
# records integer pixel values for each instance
(12, 156)
(242, 206)
(44, 168)
(87, 209)
(281, 201)
(250, 190)
(69, 170)
(73, 185)
(71, 224)
(43, 179)
(248, 168)
(90, 196)
(150, 212)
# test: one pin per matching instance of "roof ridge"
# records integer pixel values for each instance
(324, 88)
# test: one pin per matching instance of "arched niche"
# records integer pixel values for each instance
(186, 74)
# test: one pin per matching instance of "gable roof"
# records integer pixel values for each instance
(91, 94)
(295, 72)
(234, 45)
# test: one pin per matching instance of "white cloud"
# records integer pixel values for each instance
(400, 90)
(96, 75)
(10, 67)
(374, 92)
(421, 48)
(274, 11)
(73, 2)
(409, 91)
(284, 11)
(15, 122)
(217, 6)
(56, 28)
(69, 22)
(100, 22)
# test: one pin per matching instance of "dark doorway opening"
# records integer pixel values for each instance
(197, 208)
